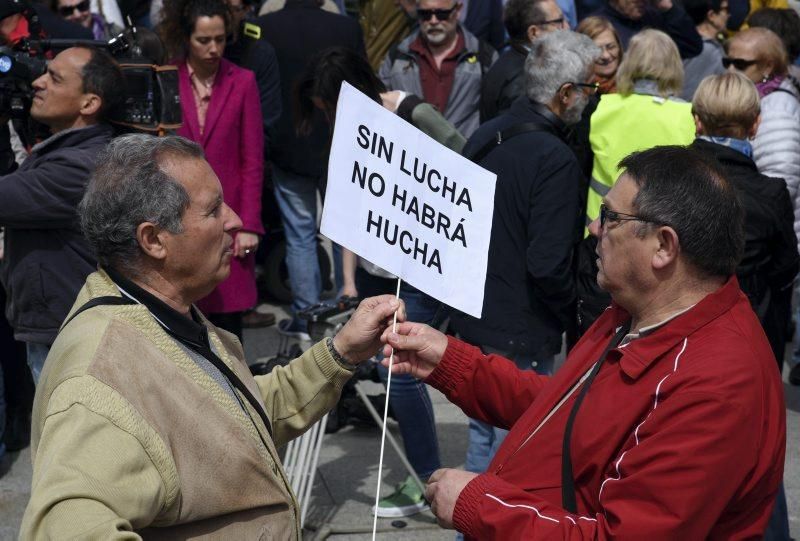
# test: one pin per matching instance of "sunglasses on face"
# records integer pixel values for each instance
(739, 63)
(441, 14)
(66, 11)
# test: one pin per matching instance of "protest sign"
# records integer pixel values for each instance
(408, 204)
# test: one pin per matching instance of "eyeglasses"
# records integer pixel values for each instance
(607, 215)
(66, 11)
(441, 14)
(739, 63)
(557, 22)
(591, 87)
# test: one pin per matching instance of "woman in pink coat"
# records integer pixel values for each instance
(221, 112)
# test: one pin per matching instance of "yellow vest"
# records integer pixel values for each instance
(625, 124)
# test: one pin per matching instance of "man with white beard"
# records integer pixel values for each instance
(537, 217)
(442, 62)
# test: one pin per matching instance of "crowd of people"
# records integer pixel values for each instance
(646, 216)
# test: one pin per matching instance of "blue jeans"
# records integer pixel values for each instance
(485, 439)
(408, 396)
(297, 200)
(37, 353)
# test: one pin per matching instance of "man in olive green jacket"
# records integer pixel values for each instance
(147, 422)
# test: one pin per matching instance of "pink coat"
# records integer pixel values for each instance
(233, 141)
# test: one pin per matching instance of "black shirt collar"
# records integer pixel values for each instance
(186, 329)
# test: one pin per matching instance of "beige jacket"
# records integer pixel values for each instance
(132, 439)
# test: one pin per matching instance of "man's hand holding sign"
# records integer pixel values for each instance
(419, 210)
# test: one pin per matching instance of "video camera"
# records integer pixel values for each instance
(152, 99)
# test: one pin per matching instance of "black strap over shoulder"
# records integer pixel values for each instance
(201, 349)
(568, 499)
(485, 55)
(503, 136)
(231, 376)
(97, 301)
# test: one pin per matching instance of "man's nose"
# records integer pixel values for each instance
(38, 84)
(232, 222)
(594, 227)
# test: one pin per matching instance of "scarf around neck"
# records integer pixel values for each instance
(739, 145)
(768, 87)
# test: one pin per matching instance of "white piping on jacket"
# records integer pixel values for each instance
(636, 431)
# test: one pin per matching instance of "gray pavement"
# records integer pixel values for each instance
(344, 490)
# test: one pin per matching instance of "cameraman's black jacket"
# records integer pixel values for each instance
(530, 288)
(46, 259)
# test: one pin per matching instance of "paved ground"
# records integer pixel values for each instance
(344, 491)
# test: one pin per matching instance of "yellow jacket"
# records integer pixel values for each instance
(622, 125)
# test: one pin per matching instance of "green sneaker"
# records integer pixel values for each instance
(406, 500)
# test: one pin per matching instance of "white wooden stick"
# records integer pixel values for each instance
(385, 415)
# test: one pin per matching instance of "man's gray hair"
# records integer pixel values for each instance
(129, 187)
(556, 58)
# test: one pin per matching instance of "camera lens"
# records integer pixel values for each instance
(6, 63)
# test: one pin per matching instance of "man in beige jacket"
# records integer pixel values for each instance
(147, 421)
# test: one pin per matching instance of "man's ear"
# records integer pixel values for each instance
(151, 240)
(90, 105)
(668, 247)
(533, 33)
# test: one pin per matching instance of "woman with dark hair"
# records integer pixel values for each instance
(319, 90)
(221, 112)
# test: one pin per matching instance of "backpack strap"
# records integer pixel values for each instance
(792, 94)
(503, 136)
(201, 349)
(485, 54)
(97, 301)
(393, 54)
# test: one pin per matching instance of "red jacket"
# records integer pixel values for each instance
(681, 436)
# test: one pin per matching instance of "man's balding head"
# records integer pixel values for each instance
(81, 85)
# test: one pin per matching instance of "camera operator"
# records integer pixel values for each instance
(46, 259)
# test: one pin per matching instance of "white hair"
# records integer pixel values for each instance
(557, 58)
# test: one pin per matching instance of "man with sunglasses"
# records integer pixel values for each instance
(442, 62)
(667, 419)
(529, 286)
(79, 12)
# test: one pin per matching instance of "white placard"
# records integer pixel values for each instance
(408, 204)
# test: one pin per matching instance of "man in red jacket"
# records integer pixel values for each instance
(681, 434)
